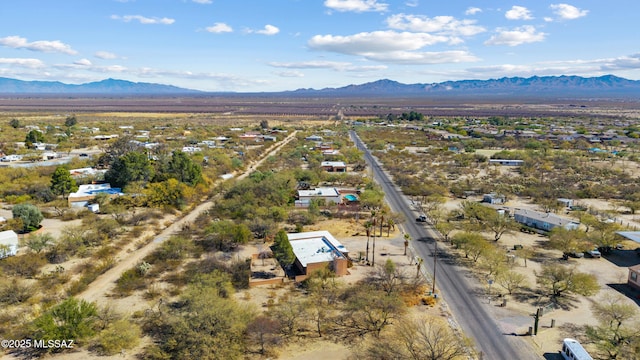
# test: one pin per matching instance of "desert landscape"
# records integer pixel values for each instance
(138, 260)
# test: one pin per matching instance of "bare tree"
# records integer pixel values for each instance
(428, 338)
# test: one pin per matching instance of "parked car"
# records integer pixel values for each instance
(594, 253)
(574, 254)
(421, 218)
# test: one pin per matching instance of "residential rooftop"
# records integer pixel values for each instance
(316, 247)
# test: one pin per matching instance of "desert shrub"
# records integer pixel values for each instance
(144, 216)
(71, 319)
(238, 270)
(174, 248)
(302, 218)
(27, 265)
(54, 278)
(118, 336)
(130, 281)
(14, 292)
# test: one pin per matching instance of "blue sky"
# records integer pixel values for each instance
(273, 45)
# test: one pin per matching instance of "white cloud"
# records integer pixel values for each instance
(289, 74)
(423, 58)
(144, 20)
(218, 28)
(268, 30)
(56, 46)
(27, 63)
(390, 46)
(356, 5)
(412, 3)
(518, 36)
(518, 13)
(203, 1)
(333, 65)
(83, 62)
(105, 55)
(472, 11)
(568, 12)
(445, 25)
(374, 42)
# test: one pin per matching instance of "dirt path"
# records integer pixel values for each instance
(100, 288)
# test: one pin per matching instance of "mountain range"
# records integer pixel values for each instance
(607, 86)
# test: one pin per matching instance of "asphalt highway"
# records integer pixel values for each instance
(469, 310)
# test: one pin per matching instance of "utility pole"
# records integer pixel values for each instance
(435, 263)
(373, 253)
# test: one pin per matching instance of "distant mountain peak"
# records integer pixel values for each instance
(108, 86)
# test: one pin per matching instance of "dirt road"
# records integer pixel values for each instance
(100, 288)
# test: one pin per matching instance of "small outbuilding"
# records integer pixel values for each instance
(494, 198)
(8, 243)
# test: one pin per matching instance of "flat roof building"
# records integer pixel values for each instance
(315, 250)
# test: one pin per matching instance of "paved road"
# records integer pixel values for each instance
(451, 284)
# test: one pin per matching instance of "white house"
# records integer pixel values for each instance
(543, 221)
(8, 243)
(88, 192)
(316, 249)
(326, 193)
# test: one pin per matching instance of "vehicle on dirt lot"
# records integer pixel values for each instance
(595, 253)
(421, 218)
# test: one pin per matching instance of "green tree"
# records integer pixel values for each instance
(62, 183)
(29, 214)
(182, 168)
(282, 249)
(70, 121)
(71, 319)
(14, 123)
(128, 168)
(38, 242)
(557, 280)
(511, 280)
(567, 241)
(34, 136)
(617, 329)
(227, 235)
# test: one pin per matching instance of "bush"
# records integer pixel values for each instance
(28, 265)
(71, 319)
(14, 292)
(118, 336)
(130, 281)
(30, 215)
